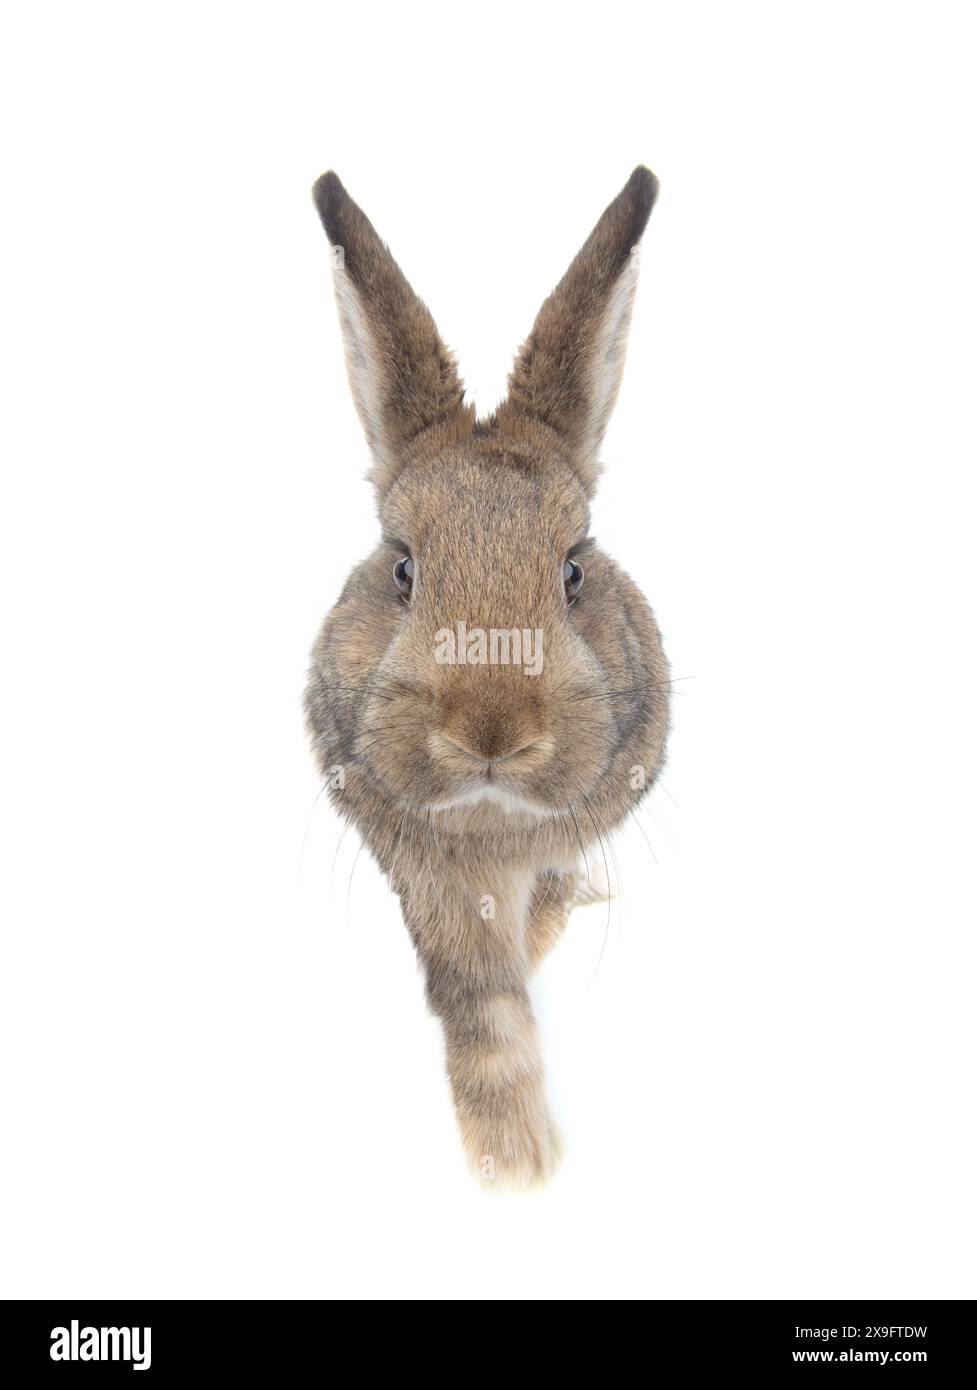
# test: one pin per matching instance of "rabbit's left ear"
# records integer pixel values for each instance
(403, 378)
(566, 375)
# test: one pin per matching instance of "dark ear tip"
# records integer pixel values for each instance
(643, 185)
(329, 196)
(641, 190)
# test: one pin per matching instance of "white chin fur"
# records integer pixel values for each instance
(512, 802)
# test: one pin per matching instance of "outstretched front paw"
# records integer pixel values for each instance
(512, 1151)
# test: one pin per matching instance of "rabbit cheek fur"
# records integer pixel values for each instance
(481, 787)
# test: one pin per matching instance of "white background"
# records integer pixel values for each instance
(218, 1075)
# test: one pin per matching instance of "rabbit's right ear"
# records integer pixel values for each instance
(403, 378)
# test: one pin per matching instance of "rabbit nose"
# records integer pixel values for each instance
(491, 742)
(488, 749)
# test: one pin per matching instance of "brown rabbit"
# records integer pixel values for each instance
(488, 699)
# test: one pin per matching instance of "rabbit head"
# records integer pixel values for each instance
(488, 665)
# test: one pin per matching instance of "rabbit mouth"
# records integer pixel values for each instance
(494, 793)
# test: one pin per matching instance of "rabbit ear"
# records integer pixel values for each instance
(568, 372)
(403, 378)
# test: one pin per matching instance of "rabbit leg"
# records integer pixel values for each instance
(549, 912)
(555, 896)
(476, 970)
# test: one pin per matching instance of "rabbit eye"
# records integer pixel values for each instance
(404, 576)
(572, 580)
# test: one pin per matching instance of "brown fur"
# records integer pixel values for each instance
(488, 511)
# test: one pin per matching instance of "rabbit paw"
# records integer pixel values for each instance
(513, 1152)
(595, 889)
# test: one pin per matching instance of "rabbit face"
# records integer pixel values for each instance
(474, 682)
